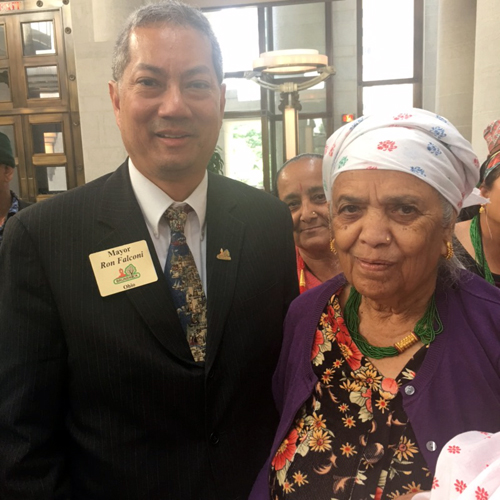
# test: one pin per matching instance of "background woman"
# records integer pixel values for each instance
(381, 366)
(480, 236)
(299, 185)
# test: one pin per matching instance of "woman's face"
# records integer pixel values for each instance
(493, 193)
(388, 233)
(300, 186)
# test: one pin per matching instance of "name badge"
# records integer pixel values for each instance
(122, 268)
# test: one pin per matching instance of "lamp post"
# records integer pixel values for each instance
(290, 63)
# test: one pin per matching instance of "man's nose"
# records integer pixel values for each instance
(173, 103)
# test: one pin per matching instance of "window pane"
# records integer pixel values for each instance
(387, 98)
(51, 180)
(43, 82)
(8, 130)
(3, 45)
(38, 38)
(387, 39)
(238, 33)
(241, 143)
(242, 95)
(312, 136)
(4, 85)
(299, 27)
(48, 138)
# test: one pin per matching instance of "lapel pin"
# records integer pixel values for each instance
(224, 255)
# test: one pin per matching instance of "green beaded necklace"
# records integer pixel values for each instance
(477, 243)
(424, 329)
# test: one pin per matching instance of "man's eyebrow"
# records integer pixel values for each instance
(201, 69)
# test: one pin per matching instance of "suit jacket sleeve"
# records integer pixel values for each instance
(32, 374)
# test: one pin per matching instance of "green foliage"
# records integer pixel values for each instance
(216, 163)
(254, 142)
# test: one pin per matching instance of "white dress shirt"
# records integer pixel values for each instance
(154, 202)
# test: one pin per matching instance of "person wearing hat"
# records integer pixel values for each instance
(478, 242)
(10, 204)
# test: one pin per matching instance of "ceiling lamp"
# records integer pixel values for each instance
(270, 71)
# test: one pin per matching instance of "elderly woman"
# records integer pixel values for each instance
(299, 185)
(479, 238)
(383, 365)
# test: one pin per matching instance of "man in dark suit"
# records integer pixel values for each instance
(105, 392)
(10, 204)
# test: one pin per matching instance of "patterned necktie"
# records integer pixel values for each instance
(185, 283)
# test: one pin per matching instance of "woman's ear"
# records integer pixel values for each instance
(485, 192)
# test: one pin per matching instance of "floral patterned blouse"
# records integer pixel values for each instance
(351, 439)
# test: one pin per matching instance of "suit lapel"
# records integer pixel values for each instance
(224, 232)
(125, 223)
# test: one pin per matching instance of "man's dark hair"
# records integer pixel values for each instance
(173, 13)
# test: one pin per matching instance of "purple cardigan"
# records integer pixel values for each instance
(457, 388)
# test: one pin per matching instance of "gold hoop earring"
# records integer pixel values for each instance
(332, 246)
(450, 252)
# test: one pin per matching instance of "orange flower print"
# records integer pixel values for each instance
(300, 479)
(412, 487)
(285, 451)
(319, 421)
(338, 363)
(288, 487)
(382, 405)
(349, 421)
(343, 407)
(378, 493)
(368, 395)
(320, 441)
(406, 449)
(389, 388)
(348, 348)
(348, 450)
(318, 340)
(327, 376)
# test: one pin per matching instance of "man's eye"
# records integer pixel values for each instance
(147, 82)
(199, 84)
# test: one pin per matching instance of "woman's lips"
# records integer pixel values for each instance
(374, 264)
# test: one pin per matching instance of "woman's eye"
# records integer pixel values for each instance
(319, 198)
(293, 205)
(406, 210)
(348, 209)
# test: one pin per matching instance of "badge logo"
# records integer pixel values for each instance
(129, 275)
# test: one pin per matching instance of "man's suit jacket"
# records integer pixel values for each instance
(100, 395)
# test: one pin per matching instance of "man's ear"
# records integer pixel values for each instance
(114, 94)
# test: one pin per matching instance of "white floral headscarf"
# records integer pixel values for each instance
(416, 142)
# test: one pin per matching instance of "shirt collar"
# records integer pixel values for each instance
(154, 201)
